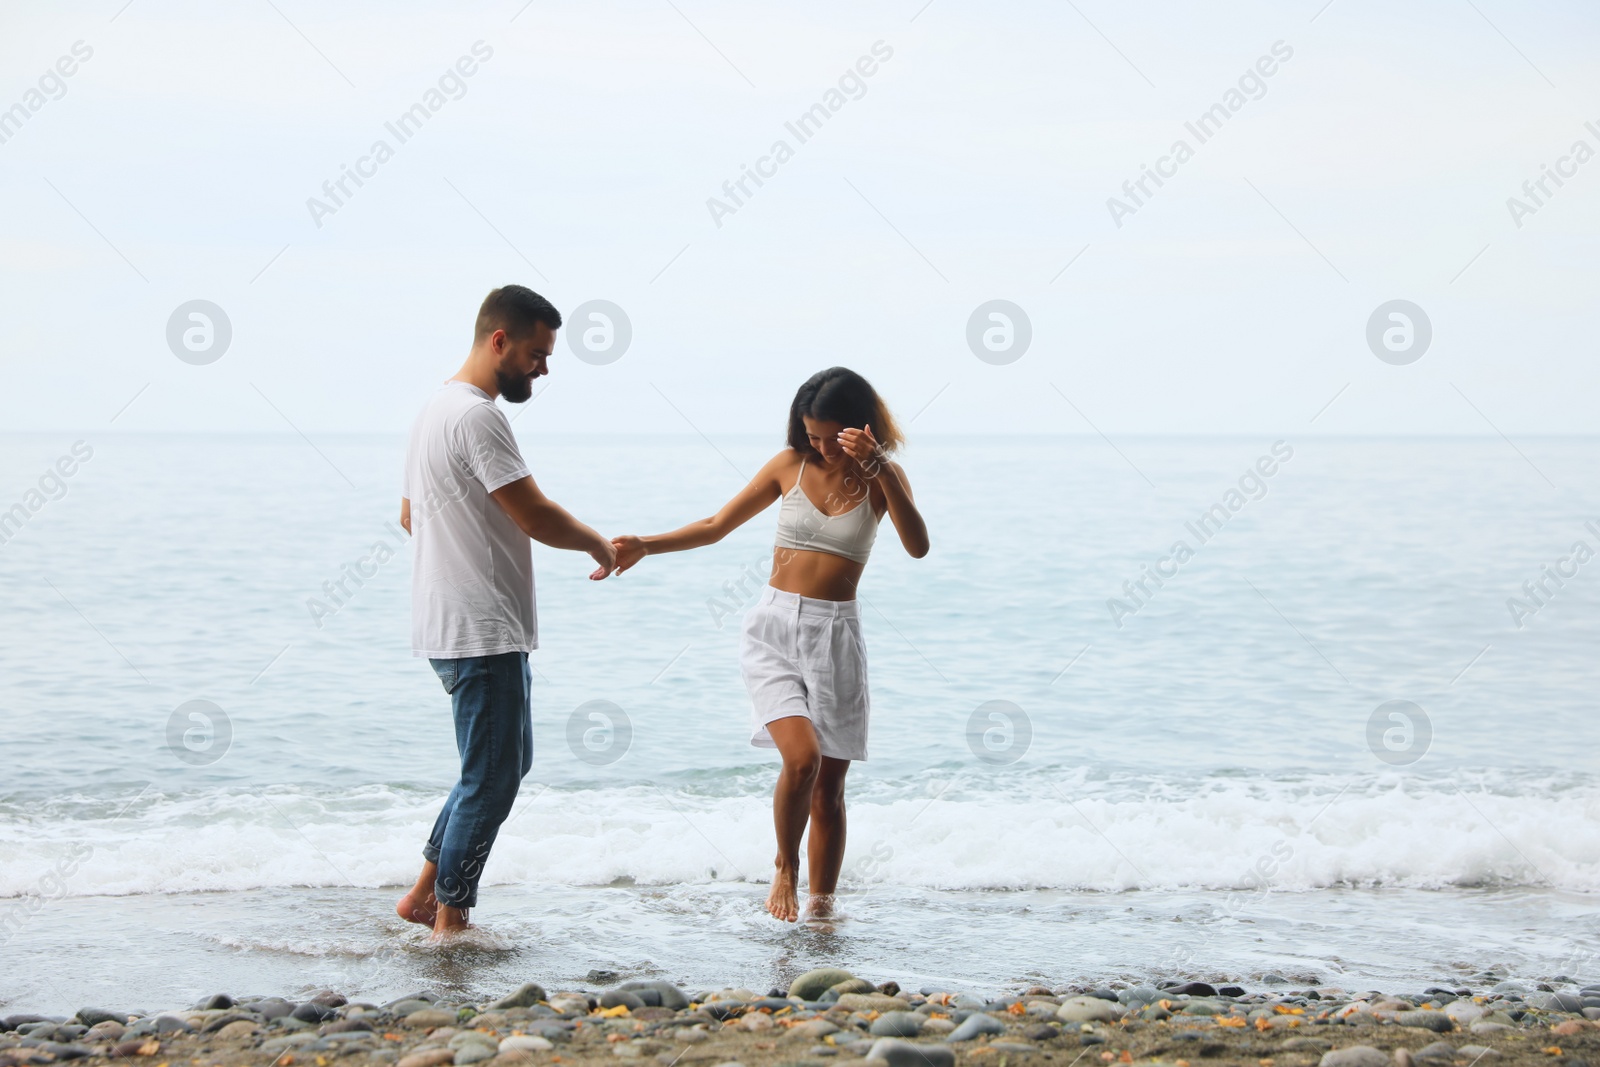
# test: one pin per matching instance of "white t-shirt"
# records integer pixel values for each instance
(471, 566)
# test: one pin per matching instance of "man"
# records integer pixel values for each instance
(471, 506)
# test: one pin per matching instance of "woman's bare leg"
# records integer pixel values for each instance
(825, 847)
(791, 807)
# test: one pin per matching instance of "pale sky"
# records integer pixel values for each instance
(973, 164)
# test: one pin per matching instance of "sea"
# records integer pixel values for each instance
(1282, 711)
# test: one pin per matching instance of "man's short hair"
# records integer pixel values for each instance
(514, 309)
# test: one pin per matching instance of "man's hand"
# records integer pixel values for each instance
(630, 550)
(550, 524)
(604, 554)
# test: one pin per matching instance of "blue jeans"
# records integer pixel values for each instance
(494, 734)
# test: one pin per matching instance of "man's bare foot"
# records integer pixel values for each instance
(783, 901)
(420, 906)
(450, 922)
(422, 911)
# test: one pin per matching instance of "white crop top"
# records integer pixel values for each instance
(802, 525)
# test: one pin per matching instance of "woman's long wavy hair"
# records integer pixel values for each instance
(840, 395)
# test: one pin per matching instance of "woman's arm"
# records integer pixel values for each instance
(749, 502)
(889, 477)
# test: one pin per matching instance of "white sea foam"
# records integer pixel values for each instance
(1224, 834)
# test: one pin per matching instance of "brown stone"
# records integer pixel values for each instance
(139, 1046)
(434, 1057)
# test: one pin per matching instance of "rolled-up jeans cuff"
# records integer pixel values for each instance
(464, 902)
(455, 892)
(430, 853)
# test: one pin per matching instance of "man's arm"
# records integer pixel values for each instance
(551, 524)
(405, 514)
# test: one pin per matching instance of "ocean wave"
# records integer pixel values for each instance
(1043, 832)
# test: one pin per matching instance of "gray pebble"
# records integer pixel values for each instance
(905, 1054)
(612, 998)
(813, 984)
(667, 994)
(1355, 1056)
(897, 1024)
(314, 1012)
(526, 996)
(1556, 1001)
(975, 1024)
(273, 1008)
(15, 1022)
(64, 1051)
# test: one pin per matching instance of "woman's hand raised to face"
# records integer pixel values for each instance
(630, 550)
(862, 447)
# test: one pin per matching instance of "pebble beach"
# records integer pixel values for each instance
(831, 1018)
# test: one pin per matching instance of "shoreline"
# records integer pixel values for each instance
(831, 1018)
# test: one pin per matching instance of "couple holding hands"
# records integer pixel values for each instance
(471, 506)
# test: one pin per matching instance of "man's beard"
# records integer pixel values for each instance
(514, 387)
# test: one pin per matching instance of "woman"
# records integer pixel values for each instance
(801, 653)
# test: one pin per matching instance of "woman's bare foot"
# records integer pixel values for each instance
(450, 922)
(422, 911)
(783, 902)
(820, 906)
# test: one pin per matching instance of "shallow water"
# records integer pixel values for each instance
(1211, 759)
(154, 951)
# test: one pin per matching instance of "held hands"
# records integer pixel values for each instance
(862, 447)
(605, 554)
(629, 549)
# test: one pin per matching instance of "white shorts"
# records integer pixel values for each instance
(803, 656)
